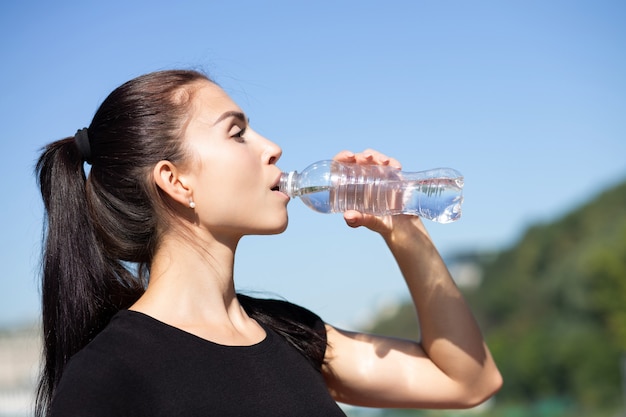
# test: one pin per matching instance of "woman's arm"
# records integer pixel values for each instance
(450, 367)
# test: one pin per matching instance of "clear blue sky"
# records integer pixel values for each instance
(526, 98)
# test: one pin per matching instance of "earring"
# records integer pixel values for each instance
(192, 204)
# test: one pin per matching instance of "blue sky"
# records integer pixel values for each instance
(526, 98)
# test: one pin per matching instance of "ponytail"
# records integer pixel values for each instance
(98, 226)
(81, 289)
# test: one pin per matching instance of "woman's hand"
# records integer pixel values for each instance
(380, 224)
(384, 225)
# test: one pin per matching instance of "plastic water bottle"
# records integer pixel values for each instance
(335, 187)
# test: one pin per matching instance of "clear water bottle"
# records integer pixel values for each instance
(335, 187)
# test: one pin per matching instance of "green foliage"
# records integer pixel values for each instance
(606, 269)
(553, 308)
(402, 323)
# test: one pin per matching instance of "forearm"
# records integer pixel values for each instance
(449, 333)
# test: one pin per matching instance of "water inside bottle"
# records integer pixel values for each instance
(317, 197)
(372, 197)
(434, 194)
(436, 199)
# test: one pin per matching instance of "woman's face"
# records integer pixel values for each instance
(233, 176)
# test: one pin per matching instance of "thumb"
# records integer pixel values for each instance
(353, 218)
(357, 219)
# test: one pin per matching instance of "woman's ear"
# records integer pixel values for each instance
(169, 179)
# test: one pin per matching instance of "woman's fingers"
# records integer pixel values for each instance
(367, 157)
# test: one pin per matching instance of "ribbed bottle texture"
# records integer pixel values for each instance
(334, 187)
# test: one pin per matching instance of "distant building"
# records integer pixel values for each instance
(20, 350)
(467, 268)
(466, 274)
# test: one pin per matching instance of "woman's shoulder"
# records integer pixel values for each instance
(104, 371)
(121, 337)
(299, 327)
(280, 309)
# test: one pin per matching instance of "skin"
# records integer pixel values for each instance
(230, 180)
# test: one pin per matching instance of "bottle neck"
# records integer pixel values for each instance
(289, 183)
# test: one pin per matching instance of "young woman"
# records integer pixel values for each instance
(140, 313)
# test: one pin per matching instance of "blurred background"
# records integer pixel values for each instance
(526, 99)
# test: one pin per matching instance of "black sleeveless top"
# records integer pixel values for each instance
(138, 366)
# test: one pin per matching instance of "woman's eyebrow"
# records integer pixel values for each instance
(236, 114)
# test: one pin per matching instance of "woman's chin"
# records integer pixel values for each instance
(280, 228)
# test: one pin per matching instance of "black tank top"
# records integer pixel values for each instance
(138, 366)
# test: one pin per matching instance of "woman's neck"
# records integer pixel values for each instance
(192, 288)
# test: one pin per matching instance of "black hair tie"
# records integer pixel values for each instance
(82, 143)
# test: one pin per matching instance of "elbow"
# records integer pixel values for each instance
(480, 392)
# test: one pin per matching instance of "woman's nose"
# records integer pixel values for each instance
(273, 152)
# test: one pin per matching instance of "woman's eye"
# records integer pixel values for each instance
(238, 133)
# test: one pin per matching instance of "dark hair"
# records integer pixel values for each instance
(102, 229)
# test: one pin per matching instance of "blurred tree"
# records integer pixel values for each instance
(607, 280)
(553, 307)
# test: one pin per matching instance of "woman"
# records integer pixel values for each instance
(140, 313)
